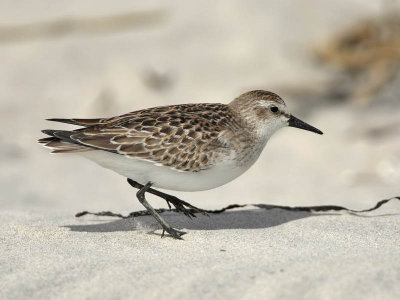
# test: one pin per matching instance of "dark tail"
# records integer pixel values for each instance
(60, 142)
(79, 122)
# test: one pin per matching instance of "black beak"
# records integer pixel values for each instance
(294, 122)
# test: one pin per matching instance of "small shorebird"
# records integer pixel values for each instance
(187, 147)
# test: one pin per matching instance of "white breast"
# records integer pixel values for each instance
(168, 178)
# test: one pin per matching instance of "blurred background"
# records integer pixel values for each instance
(336, 64)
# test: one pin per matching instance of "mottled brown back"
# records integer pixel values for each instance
(185, 137)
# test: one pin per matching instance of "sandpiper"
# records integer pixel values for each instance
(187, 147)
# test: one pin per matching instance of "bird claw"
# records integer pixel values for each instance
(183, 207)
(176, 234)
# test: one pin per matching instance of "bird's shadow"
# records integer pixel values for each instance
(242, 219)
(263, 217)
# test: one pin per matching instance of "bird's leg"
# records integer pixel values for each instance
(178, 203)
(140, 195)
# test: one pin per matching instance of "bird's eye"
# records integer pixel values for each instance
(274, 109)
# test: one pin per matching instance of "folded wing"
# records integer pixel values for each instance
(184, 137)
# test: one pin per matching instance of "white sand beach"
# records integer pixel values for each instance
(208, 52)
(246, 254)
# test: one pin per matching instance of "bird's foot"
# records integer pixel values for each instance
(183, 207)
(176, 234)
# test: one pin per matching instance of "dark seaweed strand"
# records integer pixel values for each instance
(233, 206)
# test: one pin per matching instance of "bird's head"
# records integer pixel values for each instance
(267, 112)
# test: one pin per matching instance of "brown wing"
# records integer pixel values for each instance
(184, 137)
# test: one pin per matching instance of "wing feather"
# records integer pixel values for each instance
(185, 137)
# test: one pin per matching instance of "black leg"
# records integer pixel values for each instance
(140, 195)
(178, 203)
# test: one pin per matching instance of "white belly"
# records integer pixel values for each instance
(167, 178)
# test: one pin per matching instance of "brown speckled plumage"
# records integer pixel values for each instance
(184, 137)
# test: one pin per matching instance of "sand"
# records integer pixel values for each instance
(245, 254)
(197, 52)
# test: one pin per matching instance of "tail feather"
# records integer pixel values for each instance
(60, 142)
(49, 132)
(79, 122)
